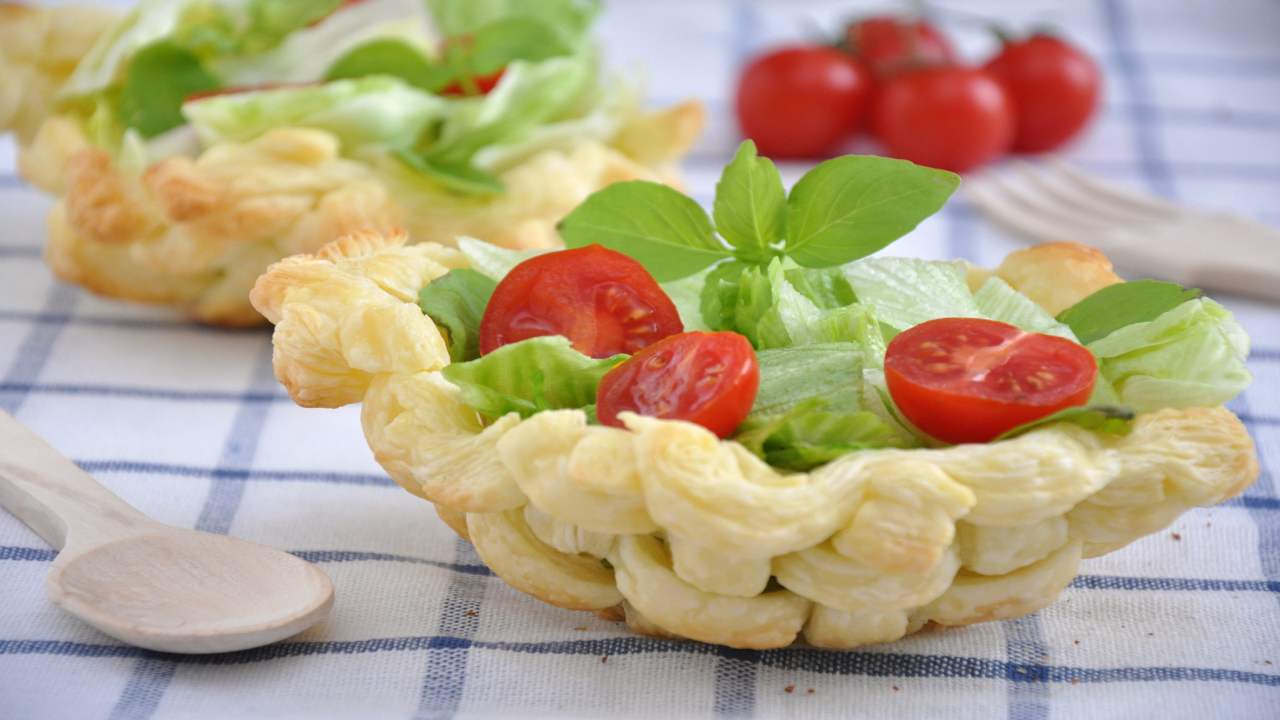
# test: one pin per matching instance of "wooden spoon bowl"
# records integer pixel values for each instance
(149, 584)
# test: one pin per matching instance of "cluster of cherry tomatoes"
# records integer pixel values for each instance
(901, 79)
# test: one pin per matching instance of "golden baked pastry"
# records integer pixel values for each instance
(692, 536)
(304, 140)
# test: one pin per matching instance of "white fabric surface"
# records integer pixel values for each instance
(187, 424)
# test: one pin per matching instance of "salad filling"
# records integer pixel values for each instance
(446, 93)
(784, 335)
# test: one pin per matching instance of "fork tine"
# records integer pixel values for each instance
(1114, 193)
(1050, 210)
(1104, 207)
(993, 199)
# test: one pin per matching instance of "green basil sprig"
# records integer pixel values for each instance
(841, 210)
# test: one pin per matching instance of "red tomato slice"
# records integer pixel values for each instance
(969, 380)
(708, 378)
(603, 301)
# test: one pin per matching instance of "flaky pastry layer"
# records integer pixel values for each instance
(684, 531)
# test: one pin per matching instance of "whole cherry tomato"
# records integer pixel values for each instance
(969, 380)
(708, 378)
(802, 102)
(955, 118)
(603, 301)
(1054, 87)
(890, 44)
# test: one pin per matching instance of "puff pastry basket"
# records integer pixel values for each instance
(685, 535)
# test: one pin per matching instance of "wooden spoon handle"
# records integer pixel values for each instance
(54, 497)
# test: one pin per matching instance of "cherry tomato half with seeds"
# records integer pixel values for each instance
(1054, 87)
(802, 102)
(603, 301)
(954, 118)
(890, 44)
(967, 380)
(708, 378)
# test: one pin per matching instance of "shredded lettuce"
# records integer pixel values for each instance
(906, 291)
(456, 302)
(308, 55)
(1192, 355)
(997, 300)
(569, 18)
(369, 111)
(206, 28)
(493, 260)
(541, 373)
(1109, 419)
(809, 409)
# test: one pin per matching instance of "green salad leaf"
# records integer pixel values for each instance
(372, 111)
(1192, 355)
(751, 205)
(826, 287)
(809, 435)
(492, 260)
(790, 376)
(569, 18)
(1123, 304)
(686, 295)
(456, 302)
(997, 300)
(852, 206)
(663, 229)
(161, 77)
(1109, 419)
(906, 291)
(541, 373)
(394, 58)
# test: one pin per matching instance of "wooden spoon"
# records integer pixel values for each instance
(149, 584)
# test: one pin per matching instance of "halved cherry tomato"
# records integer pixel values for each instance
(603, 301)
(969, 380)
(708, 378)
(890, 44)
(954, 118)
(802, 102)
(1054, 87)
(483, 85)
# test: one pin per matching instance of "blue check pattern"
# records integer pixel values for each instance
(188, 424)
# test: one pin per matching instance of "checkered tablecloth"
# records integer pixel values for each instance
(187, 424)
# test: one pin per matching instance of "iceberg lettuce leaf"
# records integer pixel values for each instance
(541, 373)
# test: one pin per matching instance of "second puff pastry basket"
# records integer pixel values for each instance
(685, 535)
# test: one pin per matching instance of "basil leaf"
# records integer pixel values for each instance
(852, 206)
(395, 58)
(541, 373)
(1116, 306)
(664, 230)
(1109, 419)
(751, 205)
(456, 302)
(161, 77)
(458, 176)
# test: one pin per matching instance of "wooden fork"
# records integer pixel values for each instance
(1051, 200)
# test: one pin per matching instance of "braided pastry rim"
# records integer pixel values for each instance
(595, 518)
